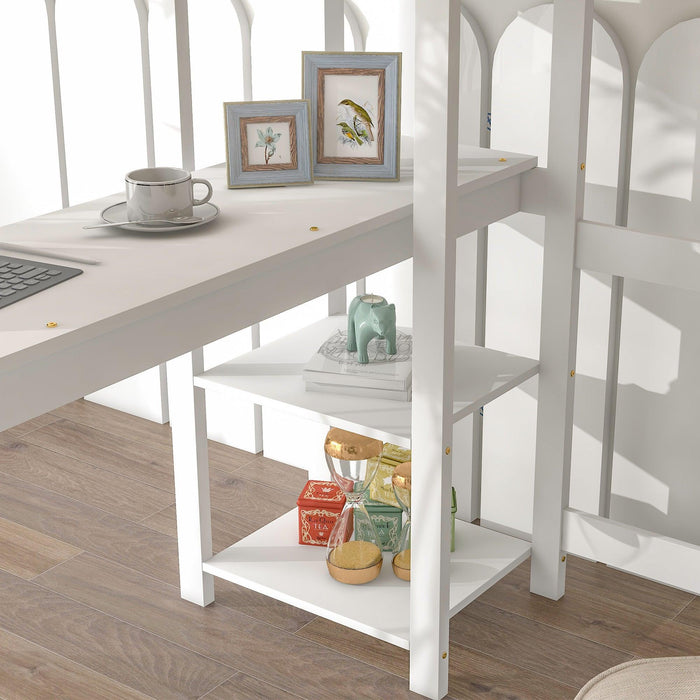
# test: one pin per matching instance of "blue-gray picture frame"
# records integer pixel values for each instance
(384, 165)
(291, 114)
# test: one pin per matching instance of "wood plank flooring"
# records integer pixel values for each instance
(89, 605)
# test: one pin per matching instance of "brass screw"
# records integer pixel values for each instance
(313, 228)
(447, 450)
(51, 324)
(563, 558)
(573, 371)
(444, 654)
(583, 166)
(502, 160)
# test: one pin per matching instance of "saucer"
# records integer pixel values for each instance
(117, 212)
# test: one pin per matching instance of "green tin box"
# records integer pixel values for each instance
(386, 519)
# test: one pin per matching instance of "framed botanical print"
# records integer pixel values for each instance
(268, 143)
(355, 114)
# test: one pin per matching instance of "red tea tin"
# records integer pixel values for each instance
(319, 504)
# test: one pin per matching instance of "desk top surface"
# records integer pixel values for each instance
(144, 273)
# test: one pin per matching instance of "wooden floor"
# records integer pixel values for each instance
(89, 605)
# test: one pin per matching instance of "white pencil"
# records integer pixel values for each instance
(47, 253)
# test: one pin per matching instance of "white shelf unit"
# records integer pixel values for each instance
(351, 241)
(272, 562)
(446, 203)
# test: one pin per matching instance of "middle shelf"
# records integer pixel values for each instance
(272, 375)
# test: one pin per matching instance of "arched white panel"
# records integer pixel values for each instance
(520, 123)
(245, 20)
(667, 113)
(356, 26)
(276, 47)
(217, 75)
(101, 85)
(655, 482)
(142, 12)
(471, 111)
(29, 175)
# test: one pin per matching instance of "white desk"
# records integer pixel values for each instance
(161, 297)
(156, 296)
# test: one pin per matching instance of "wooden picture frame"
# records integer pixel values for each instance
(268, 143)
(355, 113)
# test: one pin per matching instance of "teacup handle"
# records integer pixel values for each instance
(207, 184)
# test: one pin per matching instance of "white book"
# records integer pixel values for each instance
(333, 364)
(370, 392)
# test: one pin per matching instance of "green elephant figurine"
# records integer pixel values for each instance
(369, 316)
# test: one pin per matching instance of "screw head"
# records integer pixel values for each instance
(447, 450)
(313, 228)
(51, 324)
(583, 166)
(572, 373)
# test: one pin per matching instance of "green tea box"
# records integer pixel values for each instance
(386, 519)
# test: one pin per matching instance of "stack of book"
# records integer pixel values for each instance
(333, 369)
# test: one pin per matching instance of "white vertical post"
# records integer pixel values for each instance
(184, 79)
(189, 435)
(334, 24)
(334, 32)
(57, 101)
(629, 88)
(571, 65)
(435, 226)
(245, 22)
(482, 247)
(142, 13)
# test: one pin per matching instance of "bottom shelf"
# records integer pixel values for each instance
(272, 562)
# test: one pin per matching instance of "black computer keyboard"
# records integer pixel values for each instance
(21, 278)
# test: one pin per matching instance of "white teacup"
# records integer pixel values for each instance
(162, 193)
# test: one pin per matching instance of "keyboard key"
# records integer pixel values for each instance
(53, 272)
(14, 265)
(4, 285)
(7, 275)
(19, 286)
(30, 282)
(42, 277)
(4, 269)
(33, 273)
(23, 268)
(6, 292)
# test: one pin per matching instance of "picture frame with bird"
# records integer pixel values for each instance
(355, 102)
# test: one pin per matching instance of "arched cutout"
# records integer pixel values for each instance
(521, 85)
(655, 483)
(217, 75)
(105, 134)
(30, 132)
(356, 26)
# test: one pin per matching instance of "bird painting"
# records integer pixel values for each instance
(361, 117)
(355, 124)
(349, 133)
